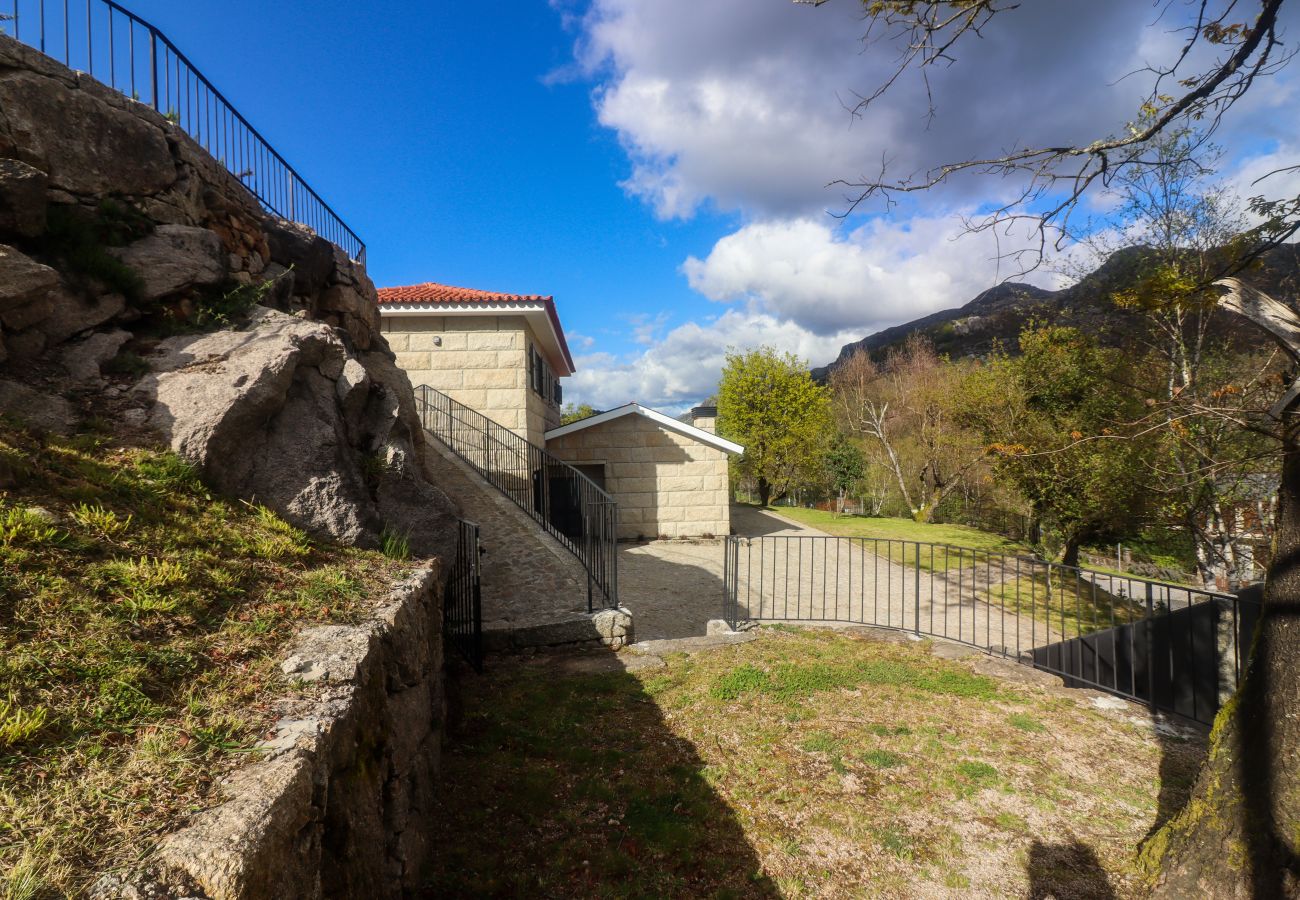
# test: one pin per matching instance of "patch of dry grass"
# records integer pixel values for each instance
(807, 763)
(140, 622)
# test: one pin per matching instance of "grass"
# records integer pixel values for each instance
(1066, 605)
(141, 620)
(395, 544)
(904, 533)
(806, 763)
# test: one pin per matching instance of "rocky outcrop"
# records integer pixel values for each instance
(113, 222)
(141, 283)
(107, 167)
(22, 198)
(175, 258)
(280, 411)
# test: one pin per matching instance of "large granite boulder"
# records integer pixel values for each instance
(36, 409)
(282, 413)
(22, 198)
(297, 247)
(23, 282)
(86, 146)
(175, 258)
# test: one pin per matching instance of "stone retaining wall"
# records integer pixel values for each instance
(340, 801)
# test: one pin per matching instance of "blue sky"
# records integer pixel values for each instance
(662, 166)
(434, 131)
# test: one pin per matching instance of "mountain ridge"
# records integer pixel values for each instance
(997, 315)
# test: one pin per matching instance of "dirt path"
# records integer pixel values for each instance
(807, 575)
(675, 587)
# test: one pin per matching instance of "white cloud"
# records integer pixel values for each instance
(740, 106)
(743, 103)
(800, 286)
(882, 273)
(646, 328)
(580, 341)
(1269, 174)
(683, 368)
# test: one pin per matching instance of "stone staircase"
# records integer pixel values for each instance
(534, 590)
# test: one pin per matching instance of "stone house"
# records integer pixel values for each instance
(669, 477)
(500, 354)
(504, 355)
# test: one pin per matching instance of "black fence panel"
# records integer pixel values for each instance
(110, 43)
(462, 619)
(1177, 648)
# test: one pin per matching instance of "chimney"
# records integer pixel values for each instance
(705, 418)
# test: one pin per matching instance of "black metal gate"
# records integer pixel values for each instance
(1177, 648)
(463, 605)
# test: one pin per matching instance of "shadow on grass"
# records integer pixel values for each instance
(1066, 872)
(563, 779)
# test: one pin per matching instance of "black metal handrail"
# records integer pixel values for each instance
(138, 59)
(568, 504)
(1177, 648)
(462, 611)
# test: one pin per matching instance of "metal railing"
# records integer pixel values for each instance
(1178, 649)
(462, 615)
(568, 504)
(109, 42)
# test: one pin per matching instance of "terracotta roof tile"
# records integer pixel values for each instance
(432, 292)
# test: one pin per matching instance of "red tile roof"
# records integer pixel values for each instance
(432, 292)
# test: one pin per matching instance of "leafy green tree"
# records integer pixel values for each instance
(571, 413)
(903, 409)
(1207, 467)
(768, 402)
(1053, 418)
(846, 466)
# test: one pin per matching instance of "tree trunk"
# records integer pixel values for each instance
(764, 491)
(1239, 835)
(1070, 552)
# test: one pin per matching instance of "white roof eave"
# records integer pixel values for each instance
(690, 431)
(536, 314)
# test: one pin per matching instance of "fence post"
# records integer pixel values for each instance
(1151, 648)
(153, 67)
(917, 592)
(727, 572)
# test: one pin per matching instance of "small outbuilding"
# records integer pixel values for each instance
(669, 477)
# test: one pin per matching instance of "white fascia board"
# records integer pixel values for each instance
(535, 314)
(690, 431)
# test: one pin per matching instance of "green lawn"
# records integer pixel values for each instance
(904, 534)
(1065, 604)
(141, 620)
(806, 763)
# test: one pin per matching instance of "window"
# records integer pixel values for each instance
(541, 379)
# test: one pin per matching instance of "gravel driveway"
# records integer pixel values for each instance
(675, 587)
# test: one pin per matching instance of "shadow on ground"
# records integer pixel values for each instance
(755, 521)
(562, 780)
(1066, 872)
(672, 587)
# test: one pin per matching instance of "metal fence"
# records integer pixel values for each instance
(122, 50)
(462, 619)
(1178, 649)
(569, 505)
